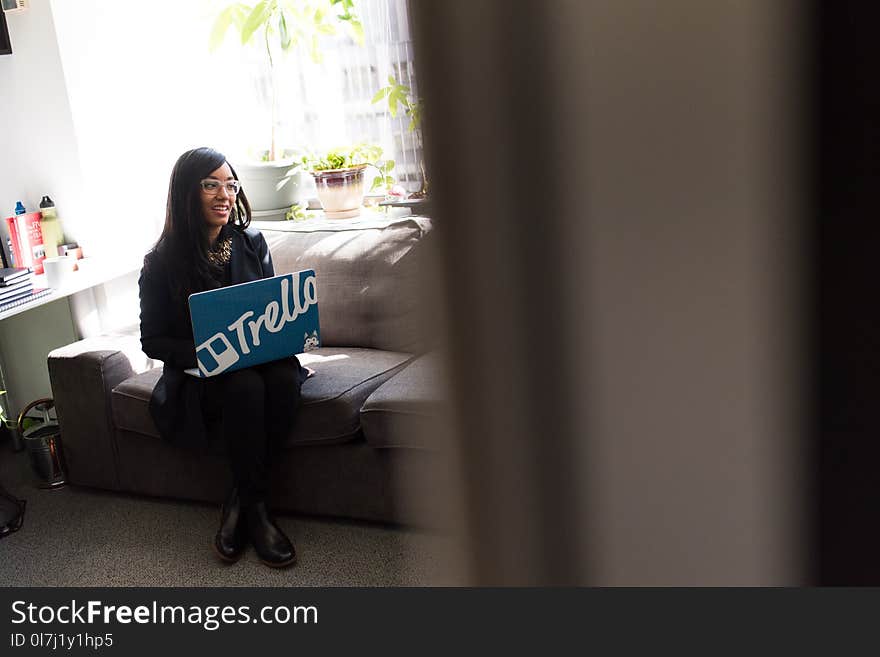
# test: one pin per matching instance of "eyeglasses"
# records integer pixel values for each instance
(213, 186)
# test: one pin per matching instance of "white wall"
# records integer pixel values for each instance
(98, 103)
(39, 149)
(143, 89)
(41, 154)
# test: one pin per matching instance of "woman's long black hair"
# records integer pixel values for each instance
(183, 244)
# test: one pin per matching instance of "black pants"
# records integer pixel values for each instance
(256, 407)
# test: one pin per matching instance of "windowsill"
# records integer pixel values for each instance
(317, 222)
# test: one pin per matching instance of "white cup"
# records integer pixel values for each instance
(59, 271)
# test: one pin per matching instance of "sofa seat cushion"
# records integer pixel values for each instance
(331, 399)
(407, 410)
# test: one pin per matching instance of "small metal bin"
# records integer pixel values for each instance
(43, 443)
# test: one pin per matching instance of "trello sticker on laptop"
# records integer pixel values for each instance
(256, 322)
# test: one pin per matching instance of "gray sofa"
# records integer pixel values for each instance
(362, 445)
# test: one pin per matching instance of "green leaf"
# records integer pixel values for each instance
(389, 165)
(338, 158)
(282, 30)
(395, 98)
(297, 212)
(415, 115)
(327, 29)
(384, 91)
(239, 16)
(258, 18)
(392, 81)
(221, 25)
(317, 57)
(357, 31)
(236, 15)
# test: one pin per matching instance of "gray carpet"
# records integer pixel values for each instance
(82, 537)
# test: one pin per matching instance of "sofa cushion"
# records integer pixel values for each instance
(331, 399)
(370, 280)
(129, 402)
(406, 410)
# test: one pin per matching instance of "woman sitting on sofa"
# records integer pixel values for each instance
(206, 243)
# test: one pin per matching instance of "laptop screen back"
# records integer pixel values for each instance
(257, 322)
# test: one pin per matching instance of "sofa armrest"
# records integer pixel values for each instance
(82, 376)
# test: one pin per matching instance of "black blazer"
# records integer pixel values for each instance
(166, 334)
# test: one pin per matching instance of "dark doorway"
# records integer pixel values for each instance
(846, 284)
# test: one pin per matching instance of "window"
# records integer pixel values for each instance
(138, 98)
(327, 104)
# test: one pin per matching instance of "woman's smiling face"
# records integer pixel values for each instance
(217, 203)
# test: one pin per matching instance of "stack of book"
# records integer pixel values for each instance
(17, 287)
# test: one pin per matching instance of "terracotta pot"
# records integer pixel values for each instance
(341, 191)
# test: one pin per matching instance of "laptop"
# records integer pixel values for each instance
(256, 322)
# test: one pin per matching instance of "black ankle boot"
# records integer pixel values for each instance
(231, 538)
(272, 546)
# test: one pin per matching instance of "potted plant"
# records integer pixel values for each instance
(272, 178)
(339, 177)
(399, 96)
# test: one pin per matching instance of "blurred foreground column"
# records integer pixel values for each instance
(616, 193)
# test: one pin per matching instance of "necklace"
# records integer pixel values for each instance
(221, 252)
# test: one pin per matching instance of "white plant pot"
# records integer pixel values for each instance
(271, 187)
(341, 191)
